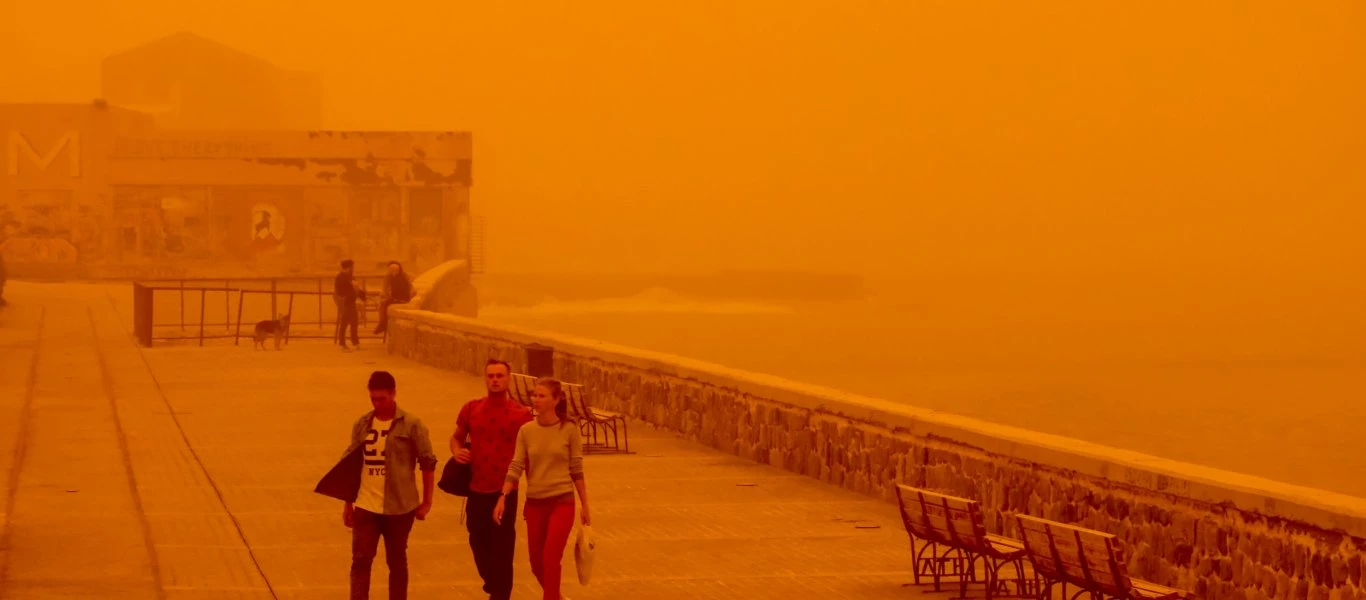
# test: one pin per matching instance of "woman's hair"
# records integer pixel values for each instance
(556, 392)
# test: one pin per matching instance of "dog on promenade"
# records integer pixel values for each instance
(265, 329)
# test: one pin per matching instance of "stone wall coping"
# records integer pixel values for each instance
(1321, 508)
(424, 283)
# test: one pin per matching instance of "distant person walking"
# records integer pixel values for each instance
(376, 480)
(491, 424)
(346, 293)
(550, 452)
(398, 289)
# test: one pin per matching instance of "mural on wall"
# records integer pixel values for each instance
(27, 250)
(182, 217)
(88, 232)
(327, 217)
(327, 231)
(268, 229)
(328, 254)
(375, 215)
(156, 223)
(37, 227)
(425, 253)
(373, 242)
(182, 201)
(425, 212)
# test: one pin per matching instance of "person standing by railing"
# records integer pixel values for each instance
(550, 452)
(345, 294)
(398, 289)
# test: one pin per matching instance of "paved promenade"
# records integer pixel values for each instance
(187, 472)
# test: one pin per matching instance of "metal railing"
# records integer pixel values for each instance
(159, 307)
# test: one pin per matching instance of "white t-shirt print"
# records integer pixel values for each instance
(371, 495)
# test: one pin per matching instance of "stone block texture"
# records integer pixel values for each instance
(1217, 551)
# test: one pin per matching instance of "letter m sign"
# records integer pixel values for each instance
(19, 145)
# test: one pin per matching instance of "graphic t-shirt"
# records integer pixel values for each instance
(372, 475)
(493, 426)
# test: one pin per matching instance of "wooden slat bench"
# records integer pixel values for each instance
(954, 537)
(593, 421)
(521, 386)
(1091, 560)
(602, 431)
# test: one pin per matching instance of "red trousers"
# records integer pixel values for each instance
(548, 523)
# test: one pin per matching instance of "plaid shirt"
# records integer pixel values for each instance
(408, 446)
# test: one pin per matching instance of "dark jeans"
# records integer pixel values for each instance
(347, 317)
(365, 534)
(493, 544)
(383, 317)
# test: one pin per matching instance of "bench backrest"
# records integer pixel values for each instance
(521, 387)
(574, 400)
(1086, 558)
(949, 520)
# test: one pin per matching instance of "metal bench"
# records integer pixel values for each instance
(595, 422)
(521, 387)
(954, 538)
(602, 431)
(1089, 559)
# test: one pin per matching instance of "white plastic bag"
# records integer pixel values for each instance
(583, 553)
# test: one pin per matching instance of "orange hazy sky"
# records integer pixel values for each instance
(892, 136)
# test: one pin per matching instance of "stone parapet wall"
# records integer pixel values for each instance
(446, 288)
(1218, 534)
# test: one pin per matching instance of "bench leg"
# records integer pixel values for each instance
(929, 562)
(961, 567)
(990, 575)
(1027, 586)
(972, 567)
(921, 564)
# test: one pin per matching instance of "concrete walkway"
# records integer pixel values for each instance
(187, 472)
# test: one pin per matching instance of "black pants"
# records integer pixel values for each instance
(365, 533)
(493, 544)
(347, 317)
(383, 317)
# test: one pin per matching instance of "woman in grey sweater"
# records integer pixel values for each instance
(550, 452)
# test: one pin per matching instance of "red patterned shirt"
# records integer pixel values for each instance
(492, 426)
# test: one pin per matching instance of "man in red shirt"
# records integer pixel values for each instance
(491, 423)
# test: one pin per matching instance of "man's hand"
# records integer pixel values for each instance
(423, 509)
(498, 510)
(463, 456)
(583, 515)
(348, 516)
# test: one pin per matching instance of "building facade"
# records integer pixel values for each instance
(93, 191)
(185, 81)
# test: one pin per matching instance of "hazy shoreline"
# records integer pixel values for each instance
(1275, 402)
